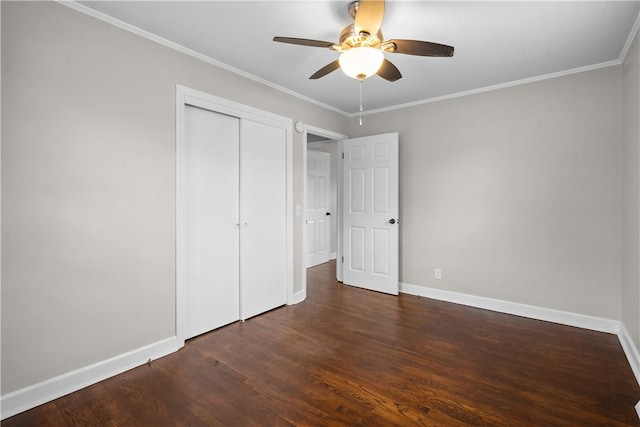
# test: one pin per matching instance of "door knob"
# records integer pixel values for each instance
(392, 221)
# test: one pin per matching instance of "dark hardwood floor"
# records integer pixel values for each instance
(352, 357)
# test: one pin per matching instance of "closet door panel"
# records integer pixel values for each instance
(210, 186)
(263, 218)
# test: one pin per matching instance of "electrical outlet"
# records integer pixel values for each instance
(438, 273)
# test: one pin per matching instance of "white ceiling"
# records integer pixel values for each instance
(496, 43)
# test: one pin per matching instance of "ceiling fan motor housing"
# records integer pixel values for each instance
(350, 39)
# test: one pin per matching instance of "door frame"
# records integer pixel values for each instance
(338, 137)
(188, 96)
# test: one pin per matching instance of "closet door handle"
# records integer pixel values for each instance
(236, 226)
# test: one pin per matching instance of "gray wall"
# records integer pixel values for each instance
(631, 192)
(514, 193)
(88, 156)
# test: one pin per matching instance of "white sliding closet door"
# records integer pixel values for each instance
(210, 180)
(234, 212)
(262, 218)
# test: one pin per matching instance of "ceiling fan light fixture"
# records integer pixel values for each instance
(361, 62)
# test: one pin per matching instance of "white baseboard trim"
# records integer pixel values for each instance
(533, 312)
(299, 296)
(631, 352)
(633, 356)
(29, 397)
(333, 255)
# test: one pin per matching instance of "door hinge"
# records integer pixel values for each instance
(343, 155)
(342, 259)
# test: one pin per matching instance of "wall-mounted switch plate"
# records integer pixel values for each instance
(438, 273)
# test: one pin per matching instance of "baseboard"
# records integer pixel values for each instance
(333, 255)
(29, 397)
(630, 351)
(632, 354)
(299, 296)
(533, 312)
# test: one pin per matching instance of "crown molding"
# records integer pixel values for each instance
(493, 87)
(182, 49)
(143, 33)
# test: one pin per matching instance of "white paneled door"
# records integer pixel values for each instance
(317, 215)
(370, 206)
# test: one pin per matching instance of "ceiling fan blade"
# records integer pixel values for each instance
(369, 16)
(421, 48)
(389, 72)
(325, 70)
(303, 42)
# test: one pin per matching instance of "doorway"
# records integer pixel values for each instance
(371, 167)
(319, 205)
(329, 142)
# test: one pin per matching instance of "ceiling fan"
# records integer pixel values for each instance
(362, 45)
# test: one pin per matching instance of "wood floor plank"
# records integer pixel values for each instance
(350, 357)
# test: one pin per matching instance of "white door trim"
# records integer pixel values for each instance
(188, 96)
(338, 218)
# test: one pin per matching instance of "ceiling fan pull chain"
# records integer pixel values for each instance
(361, 81)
